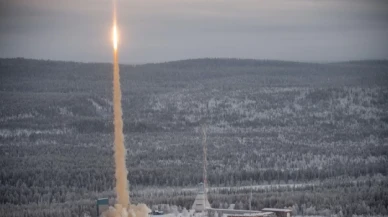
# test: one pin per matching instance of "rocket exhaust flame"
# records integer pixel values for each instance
(115, 36)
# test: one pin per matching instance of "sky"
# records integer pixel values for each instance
(165, 30)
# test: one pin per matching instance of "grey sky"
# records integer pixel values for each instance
(162, 30)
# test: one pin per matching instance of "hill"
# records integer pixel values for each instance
(269, 122)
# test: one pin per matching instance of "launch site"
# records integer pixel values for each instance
(193, 108)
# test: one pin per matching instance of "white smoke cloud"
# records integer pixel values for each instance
(140, 210)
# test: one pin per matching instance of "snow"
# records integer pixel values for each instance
(4, 133)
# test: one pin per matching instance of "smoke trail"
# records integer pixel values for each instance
(123, 208)
(140, 210)
(121, 170)
(119, 148)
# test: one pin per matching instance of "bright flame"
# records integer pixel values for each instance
(115, 36)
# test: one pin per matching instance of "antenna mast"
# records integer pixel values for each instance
(204, 144)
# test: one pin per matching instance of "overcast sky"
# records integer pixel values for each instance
(163, 30)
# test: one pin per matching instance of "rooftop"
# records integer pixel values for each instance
(252, 214)
(276, 210)
(237, 210)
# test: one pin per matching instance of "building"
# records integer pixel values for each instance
(201, 203)
(259, 214)
(102, 205)
(279, 212)
(238, 213)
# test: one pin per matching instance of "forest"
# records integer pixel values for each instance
(312, 137)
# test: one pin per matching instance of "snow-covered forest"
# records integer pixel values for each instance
(313, 137)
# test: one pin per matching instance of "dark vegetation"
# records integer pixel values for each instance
(269, 123)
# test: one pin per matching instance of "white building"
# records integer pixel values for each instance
(201, 203)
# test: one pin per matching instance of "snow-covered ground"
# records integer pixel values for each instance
(256, 187)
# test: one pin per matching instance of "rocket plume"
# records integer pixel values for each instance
(119, 148)
(123, 207)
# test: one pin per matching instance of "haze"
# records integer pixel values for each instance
(163, 30)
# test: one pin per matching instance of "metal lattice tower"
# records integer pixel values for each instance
(204, 144)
